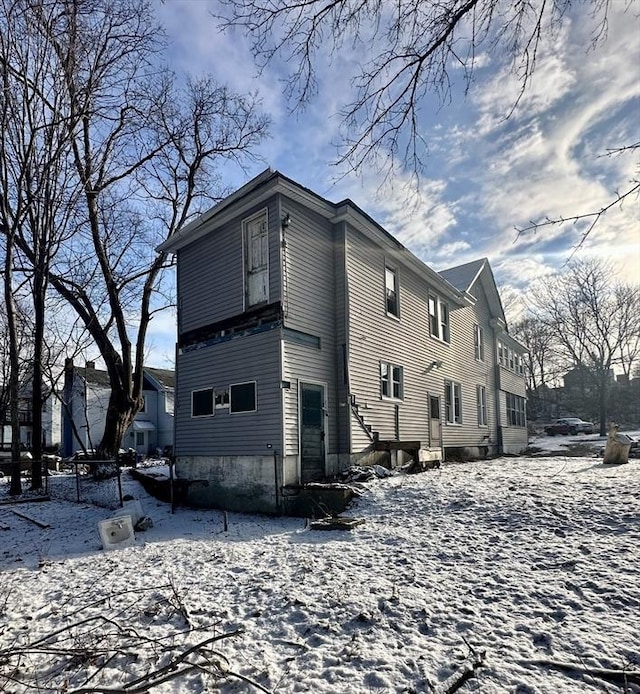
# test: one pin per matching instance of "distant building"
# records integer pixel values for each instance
(85, 401)
(51, 421)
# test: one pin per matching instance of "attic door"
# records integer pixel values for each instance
(256, 249)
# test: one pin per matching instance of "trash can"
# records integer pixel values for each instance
(618, 446)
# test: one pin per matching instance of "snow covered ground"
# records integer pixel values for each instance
(535, 561)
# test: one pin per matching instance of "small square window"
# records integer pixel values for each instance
(202, 402)
(242, 397)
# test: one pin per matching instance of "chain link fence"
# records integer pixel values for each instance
(97, 482)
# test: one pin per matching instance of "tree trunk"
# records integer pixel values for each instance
(119, 416)
(15, 487)
(36, 380)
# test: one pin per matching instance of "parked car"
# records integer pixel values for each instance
(569, 425)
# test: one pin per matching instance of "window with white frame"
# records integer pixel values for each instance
(438, 318)
(256, 260)
(391, 291)
(391, 385)
(453, 402)
(242, 397)
(202, 402)
(143, 407)
(516, 413)
(510, 359)
(478, 341)
(481, 402)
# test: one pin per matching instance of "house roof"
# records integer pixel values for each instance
(92, 375)
(270, 182)
(165, 377)
(99, 377)
(463, 276)
(475, 277)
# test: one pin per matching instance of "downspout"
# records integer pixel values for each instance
(496, 377)
(283, 224)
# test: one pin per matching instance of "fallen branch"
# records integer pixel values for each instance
(622, 678)
(31, 518)
(464, 673)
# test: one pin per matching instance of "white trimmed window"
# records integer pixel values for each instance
(242, 397)
(391, 292)
(256, 260)
(438, 318)
(481, 403)
(202, 402)
(453, 402)
(516, 414)
(478, 341)
(391, 385)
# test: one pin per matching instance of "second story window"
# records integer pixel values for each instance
(391, 292)
(391, 381)
(438, 318)
(256, 260)
(478, 340)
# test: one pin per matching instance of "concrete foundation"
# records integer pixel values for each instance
(235, 483)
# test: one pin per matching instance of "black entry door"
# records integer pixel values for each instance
(312, 432)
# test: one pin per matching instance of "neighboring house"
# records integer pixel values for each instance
(310, 339)
(51, 422)
(85, 401)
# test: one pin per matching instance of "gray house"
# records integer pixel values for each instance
(310, 339)
(85, 401)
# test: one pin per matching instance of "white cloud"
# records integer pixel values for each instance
(544, 162)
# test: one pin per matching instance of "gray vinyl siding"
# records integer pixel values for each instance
(310, 307)
(211, 271)
(245, 358)
(463, 368)
(376, 337)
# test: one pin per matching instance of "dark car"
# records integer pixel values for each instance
(569, 426)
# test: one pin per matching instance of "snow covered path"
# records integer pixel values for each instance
(529, 559)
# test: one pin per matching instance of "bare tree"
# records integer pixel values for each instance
(409, 49)
(596, 322)
(143, 154)
(40, 196)
(14, 365)
(542, 366)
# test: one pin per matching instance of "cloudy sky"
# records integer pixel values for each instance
(485, 175)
